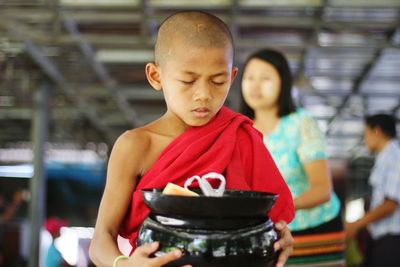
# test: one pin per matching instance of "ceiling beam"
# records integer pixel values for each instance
(53, 73)
(358, 82)
(397, 108)
(42, 15)
(141, 93)
(135, 42)
(146, 28)
(342, 94)
(355, 88)
(25, 113)
(54, 6)
(101, 72)
(366, 4)
(300, 76)
(143, 42)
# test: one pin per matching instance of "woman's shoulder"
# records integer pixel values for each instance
(302, 113)
(298, 116)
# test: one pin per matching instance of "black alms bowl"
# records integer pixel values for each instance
(249, 246)
(233, 204)
(233, 230)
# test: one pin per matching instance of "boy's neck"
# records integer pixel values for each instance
(172, 125)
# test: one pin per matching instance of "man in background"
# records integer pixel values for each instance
(383, 218)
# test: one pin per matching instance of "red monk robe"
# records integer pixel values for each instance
(229, 145)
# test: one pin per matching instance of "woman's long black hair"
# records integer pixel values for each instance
(285, 100)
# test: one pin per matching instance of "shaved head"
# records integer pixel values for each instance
(188, 29)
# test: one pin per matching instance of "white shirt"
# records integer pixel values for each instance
(385, 182)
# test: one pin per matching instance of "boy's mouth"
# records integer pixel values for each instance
(201, 112)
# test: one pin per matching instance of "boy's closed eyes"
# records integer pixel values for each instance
(190, 78)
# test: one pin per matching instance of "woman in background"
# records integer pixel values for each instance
(297, 145)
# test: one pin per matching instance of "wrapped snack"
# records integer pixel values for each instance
(206, 187)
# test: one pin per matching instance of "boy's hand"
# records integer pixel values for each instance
(285, 243)
(141, 257)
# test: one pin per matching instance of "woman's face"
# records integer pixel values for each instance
(261, 84)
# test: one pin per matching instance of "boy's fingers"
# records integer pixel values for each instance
(286, 238)
(285, 243)
(164, 259)
(147, 249)
(284, 255)
(280, 225)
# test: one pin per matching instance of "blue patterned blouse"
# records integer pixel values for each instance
(296, 140)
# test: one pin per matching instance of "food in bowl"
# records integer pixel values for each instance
(173, 189)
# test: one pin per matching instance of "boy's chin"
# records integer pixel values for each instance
(198, 122)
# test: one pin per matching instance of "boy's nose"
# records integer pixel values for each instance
(202, 92)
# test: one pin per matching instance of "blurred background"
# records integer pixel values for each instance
(72, 80)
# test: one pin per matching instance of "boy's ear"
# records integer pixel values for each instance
(153, 75)
(234, 73)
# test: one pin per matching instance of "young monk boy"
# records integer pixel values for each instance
(197, 134)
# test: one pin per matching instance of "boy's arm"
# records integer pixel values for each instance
(123, 169)
(382, 211)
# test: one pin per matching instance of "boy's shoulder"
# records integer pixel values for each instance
(136, 138)
(143, 144)
(146, 138)
(137, 135)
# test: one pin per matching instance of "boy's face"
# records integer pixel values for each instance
(195, 81)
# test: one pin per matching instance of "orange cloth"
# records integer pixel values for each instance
(319, 243)
(325, 237)
(229, 145)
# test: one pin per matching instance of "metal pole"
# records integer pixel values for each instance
(38, 181)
